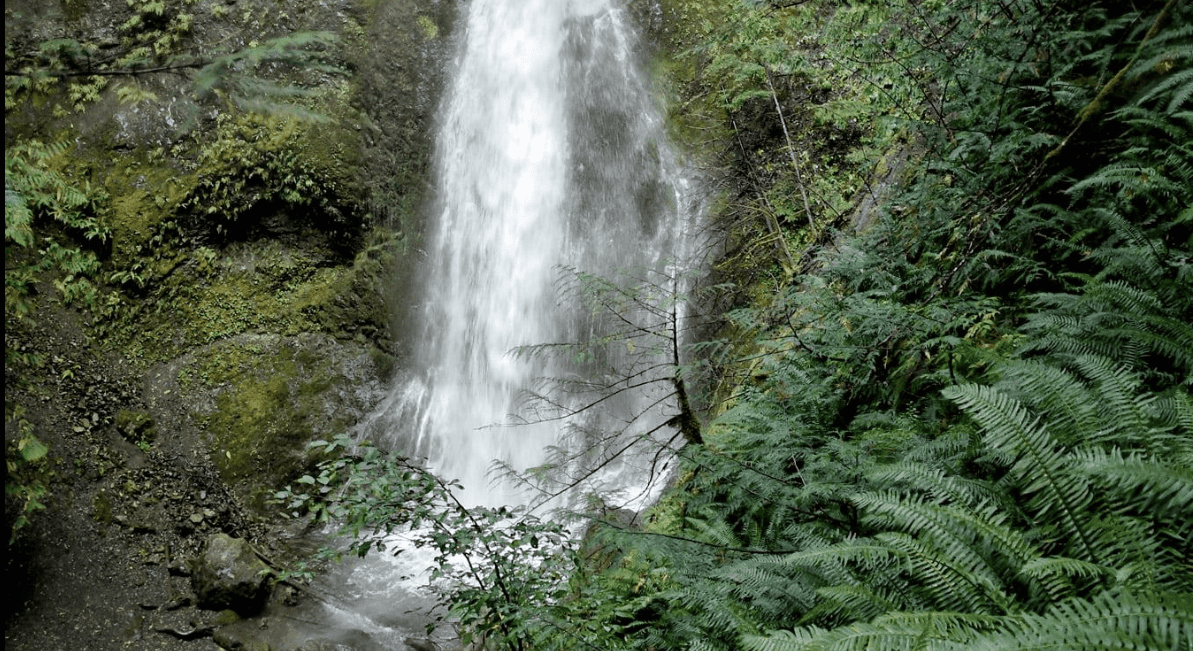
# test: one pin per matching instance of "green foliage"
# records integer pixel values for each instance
(25, 474)
(255, 162)
(802, 114)
(155, 37)
(968, 426)
(244, 78)
(37, 196)
(502, 572)
(152, 36)
(153, 32)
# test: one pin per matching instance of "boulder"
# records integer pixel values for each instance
(228, 575)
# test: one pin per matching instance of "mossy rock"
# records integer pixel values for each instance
(266, 286)
(228, 575)
(136, 426)
(260, 399)
(227, 617)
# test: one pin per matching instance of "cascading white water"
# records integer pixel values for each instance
(550, 153)
(502, 156)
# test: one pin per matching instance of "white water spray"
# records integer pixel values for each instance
(550, 153)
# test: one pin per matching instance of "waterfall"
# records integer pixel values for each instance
(550, 153)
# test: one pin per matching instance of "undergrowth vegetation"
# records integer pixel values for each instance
(966, 426)
(53, 231)
(75, 70)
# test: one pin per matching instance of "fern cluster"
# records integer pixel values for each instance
(970, 426)
(50, 225)
(254, 162)
(53, 230)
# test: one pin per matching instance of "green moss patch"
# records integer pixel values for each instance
(144, 192)
(271, 399)
(260, 288)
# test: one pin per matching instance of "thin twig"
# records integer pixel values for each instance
(791, 153)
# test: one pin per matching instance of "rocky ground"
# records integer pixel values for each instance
(136, 497)
(105, 565)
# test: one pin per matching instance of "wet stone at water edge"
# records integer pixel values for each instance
(229, 575)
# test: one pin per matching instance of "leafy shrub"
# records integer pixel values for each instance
(499, 570)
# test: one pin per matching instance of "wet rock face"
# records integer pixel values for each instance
(229, 575)
(323, 645)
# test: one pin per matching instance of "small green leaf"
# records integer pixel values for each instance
(32, 449)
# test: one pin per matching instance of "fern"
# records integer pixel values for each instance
(1114, 320)
(895, 631)
(1145, 485)
(940, 484)
(37, 198)
(231, 75)
(960, 539)
(1036, 461)
(1109, 621)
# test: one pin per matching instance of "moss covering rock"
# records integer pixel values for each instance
(252, 402)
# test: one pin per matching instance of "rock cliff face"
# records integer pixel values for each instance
(251, 222)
